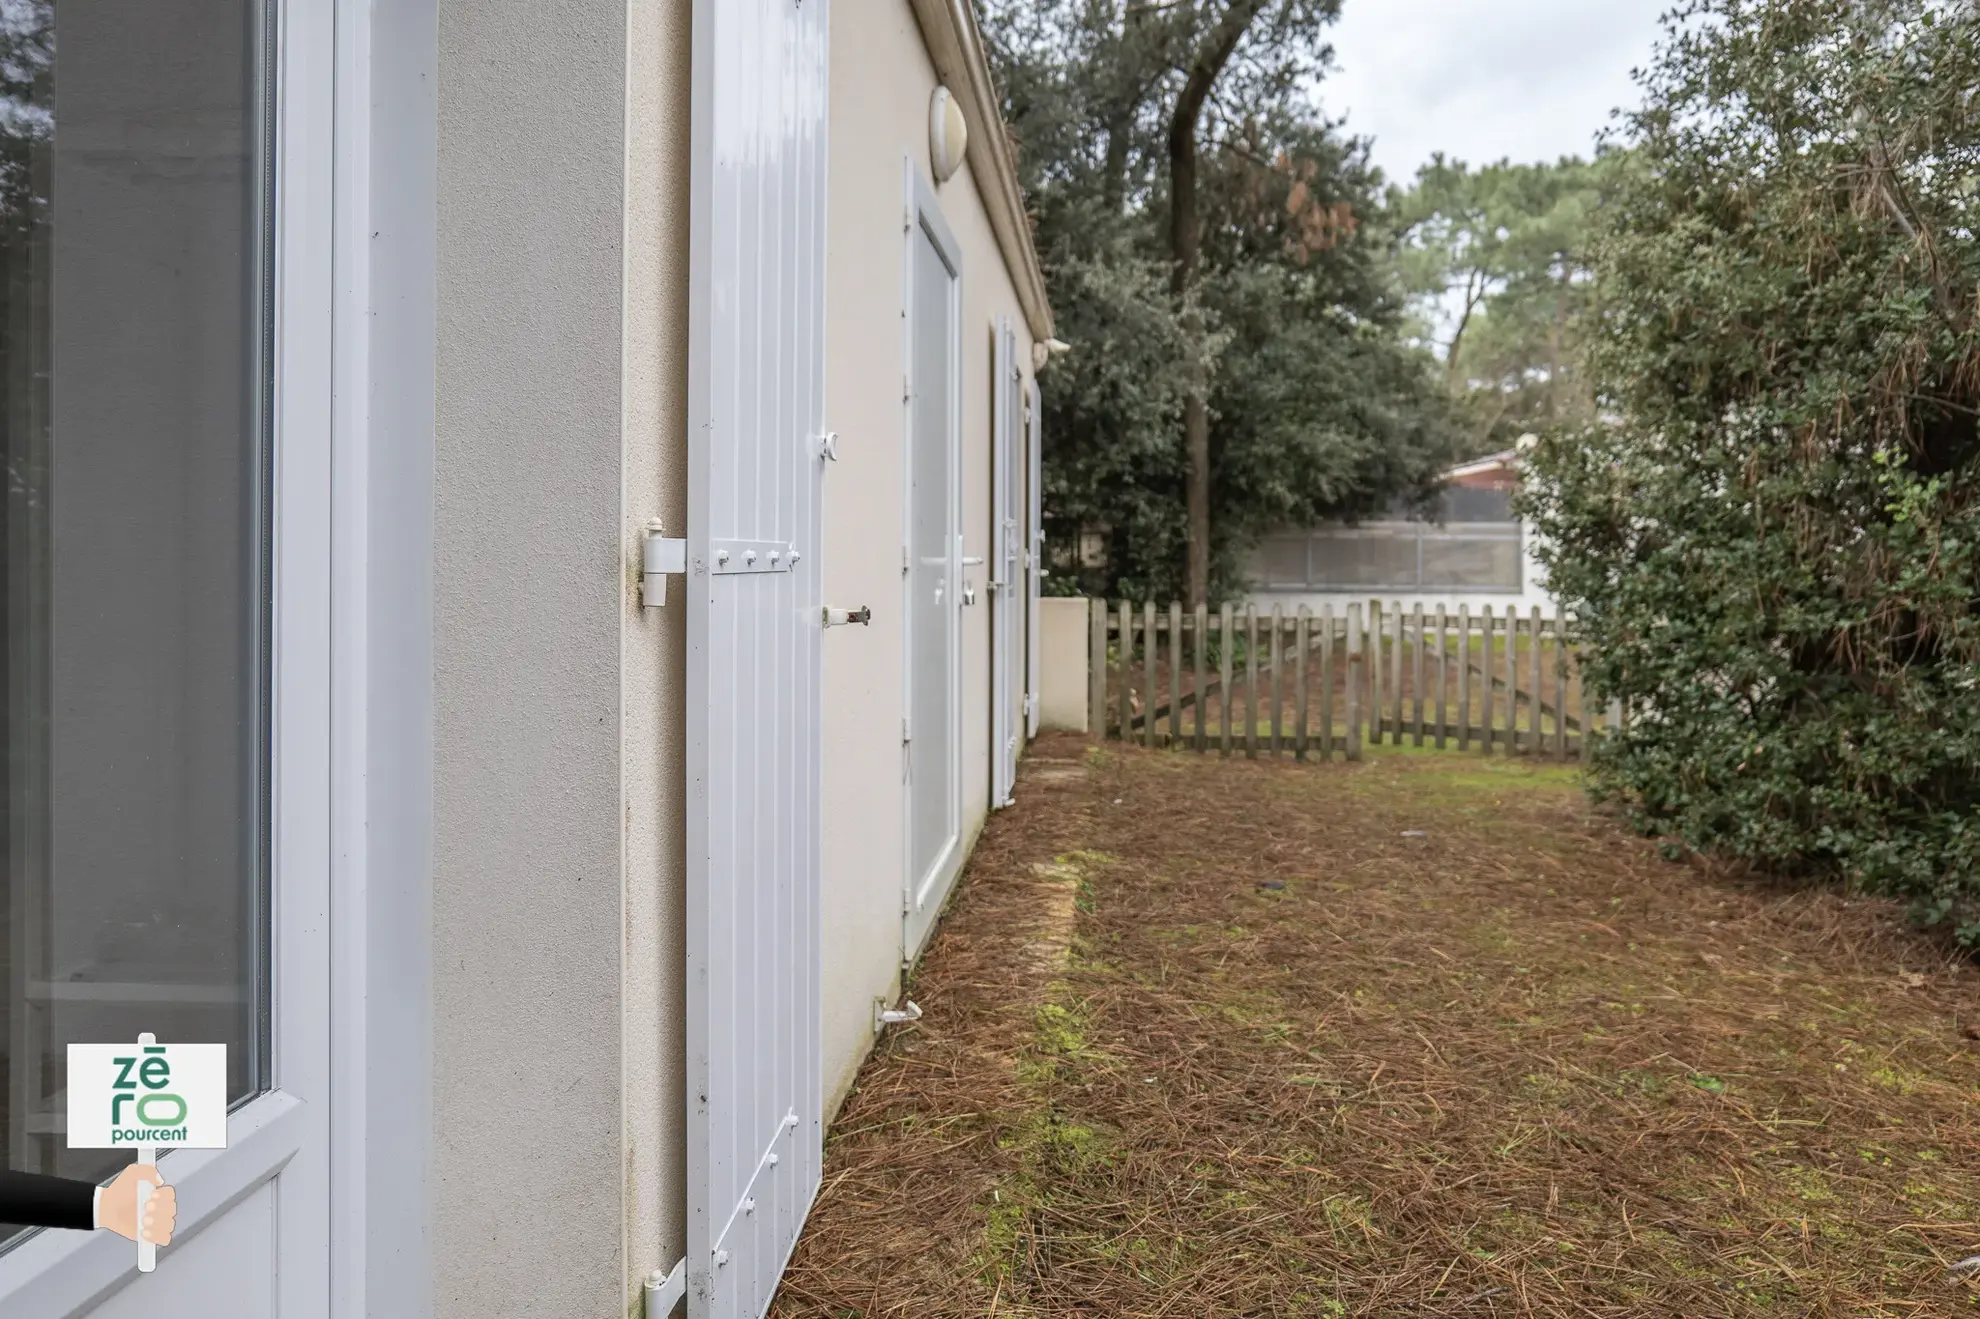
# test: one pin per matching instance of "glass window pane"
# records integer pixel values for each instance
(1469, 504)
(1381, 554)
(1281, 562)
(1480, 557)
(133, 403)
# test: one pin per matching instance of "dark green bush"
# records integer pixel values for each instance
(1772, 537)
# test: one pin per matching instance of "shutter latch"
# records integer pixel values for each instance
(885, 1016)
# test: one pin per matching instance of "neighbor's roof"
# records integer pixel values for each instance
(956, 45)
(1495, 462)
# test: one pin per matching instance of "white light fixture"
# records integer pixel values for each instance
(948, 135)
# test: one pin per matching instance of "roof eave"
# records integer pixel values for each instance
(956, 45)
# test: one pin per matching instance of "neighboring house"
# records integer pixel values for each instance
(1475, 552)
(368, 371)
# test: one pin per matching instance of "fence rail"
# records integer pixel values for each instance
(1313, 685)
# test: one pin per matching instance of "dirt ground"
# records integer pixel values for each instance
(1426, 1035)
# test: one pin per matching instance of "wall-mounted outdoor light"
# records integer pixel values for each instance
(948, 135)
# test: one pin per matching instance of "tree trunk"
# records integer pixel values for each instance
(1472, 297)
(1186, 251)
(1126, 99)
(1196, 436)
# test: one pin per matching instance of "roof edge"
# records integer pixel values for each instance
(956, 45)
(1506, 458)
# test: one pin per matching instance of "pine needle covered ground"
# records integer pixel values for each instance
(1426, 1035)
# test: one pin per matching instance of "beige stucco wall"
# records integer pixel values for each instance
(654, 646)
(558, 1164)
(882, 79)
(558, 910)
(1065, 647)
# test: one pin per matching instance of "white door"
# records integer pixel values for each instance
(164, 411)
(1034, 556)
(1006, 619)
(756, 419)
(931, 560)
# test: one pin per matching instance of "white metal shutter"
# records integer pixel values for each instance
(756, 382)
(1034, 558)
(931, 561)
(1004, 640)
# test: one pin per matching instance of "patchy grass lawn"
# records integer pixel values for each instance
(1422, 1036)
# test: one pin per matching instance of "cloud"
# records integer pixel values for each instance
(1485, 79)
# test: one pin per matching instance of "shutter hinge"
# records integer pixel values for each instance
(665, 1291)
(663, 555)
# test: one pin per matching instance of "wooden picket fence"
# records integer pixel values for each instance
(1316, 684)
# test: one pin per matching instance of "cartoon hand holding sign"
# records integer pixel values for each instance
(141, 1097)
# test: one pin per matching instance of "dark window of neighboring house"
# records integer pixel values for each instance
(134, 560)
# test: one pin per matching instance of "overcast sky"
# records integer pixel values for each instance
(1484, 79)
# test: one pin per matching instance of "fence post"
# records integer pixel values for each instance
(1511, 680)
(1151, 690)
(1373, 645)
(1327, 682)
(1096, 672)
(1124, 638)
(1225, 645)
(1175, 673)
(1513, 674)
(1539, 686)
(1560, 680)
(1276, 656)
(1418, 671)
(1443, 676)
(1251, 681)
(1302, 637)
(1272, 686)
(1396, 672)
(1511, 702)
(1353, 749)
(1464, 677)
(1486, 664)
(1202, 697)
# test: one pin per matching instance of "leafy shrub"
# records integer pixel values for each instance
(1772, 538)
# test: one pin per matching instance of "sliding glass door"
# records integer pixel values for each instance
(134, 389)
(158, 874)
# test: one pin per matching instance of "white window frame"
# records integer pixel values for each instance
(923, 213)
(283, 1130)
(350, 700)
